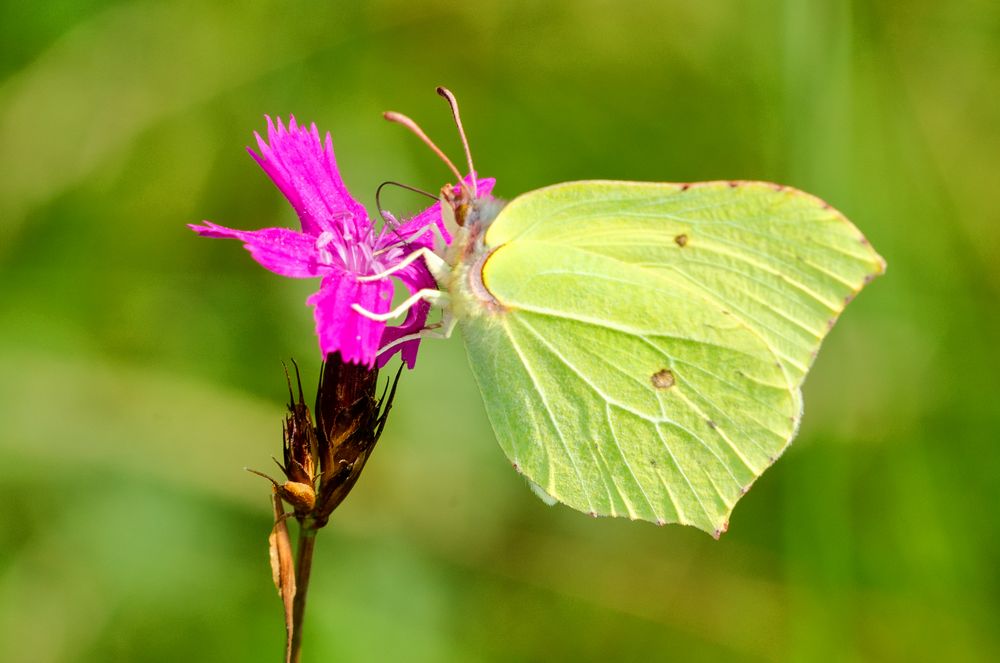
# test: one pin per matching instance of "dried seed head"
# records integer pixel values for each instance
(300, 445)
(349, 421)
(323, 462)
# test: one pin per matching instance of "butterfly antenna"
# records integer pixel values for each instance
(453, 102)
(399, 118)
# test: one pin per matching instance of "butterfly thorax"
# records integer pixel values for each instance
(467, 255)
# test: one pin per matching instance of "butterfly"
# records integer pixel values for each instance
(641, 347)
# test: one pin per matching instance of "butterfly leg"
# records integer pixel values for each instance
(438, 268)
(443, 329)
(429, 295)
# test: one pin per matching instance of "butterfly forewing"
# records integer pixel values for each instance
(782, 260)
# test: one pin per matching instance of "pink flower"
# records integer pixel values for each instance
(338, 243)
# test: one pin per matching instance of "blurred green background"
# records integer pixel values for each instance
(140, 366)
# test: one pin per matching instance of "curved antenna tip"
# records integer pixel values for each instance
(453, 104)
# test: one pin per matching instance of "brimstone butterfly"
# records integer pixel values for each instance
(641, 347)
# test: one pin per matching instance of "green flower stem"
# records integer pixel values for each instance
(303, 570)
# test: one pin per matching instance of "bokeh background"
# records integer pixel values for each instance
(140, 367)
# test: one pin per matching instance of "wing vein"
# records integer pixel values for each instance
(548, 411)
(558, 355)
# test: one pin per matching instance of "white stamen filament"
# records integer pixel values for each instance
(325, 239)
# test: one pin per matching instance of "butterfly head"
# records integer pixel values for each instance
(465, 219)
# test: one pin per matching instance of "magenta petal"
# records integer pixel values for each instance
(407, 350)
(338, 243)
(283, 251)
(341, 328)
(305, 170)
(415, 277)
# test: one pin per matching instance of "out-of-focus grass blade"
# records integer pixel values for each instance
(119, 72)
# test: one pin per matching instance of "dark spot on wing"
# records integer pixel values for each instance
(681, 240)
(711, 424)
(722, 530)
(685, 187)
(662, 379)
(733, 184)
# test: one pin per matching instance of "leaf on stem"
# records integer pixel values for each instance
(283, 567)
